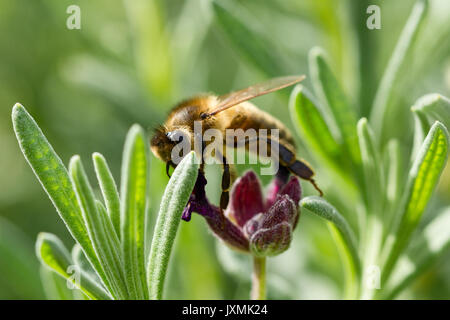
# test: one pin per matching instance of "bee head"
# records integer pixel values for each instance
(163, 142)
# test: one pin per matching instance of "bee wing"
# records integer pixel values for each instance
(234, 98)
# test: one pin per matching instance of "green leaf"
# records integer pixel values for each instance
(247, 39)
(421, 127)
(106, 245)
(394, 178)
(381, 100)
(423, 177)
(428, 109)
(344, 237)
(329, 91)
(435, 107)
(54, 178)
(111, 237)
(312, 127)
(434, 243)
(372, 168)
(174, 200)
(52, 253)
(109, 190)
(134, 188)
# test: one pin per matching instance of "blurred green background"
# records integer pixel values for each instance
(132, 60)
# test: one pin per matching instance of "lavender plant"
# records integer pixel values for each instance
(109, 260)
(373, 205)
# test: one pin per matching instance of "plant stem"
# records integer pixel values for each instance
(259, 279)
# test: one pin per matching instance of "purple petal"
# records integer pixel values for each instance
(292, 189)
(187, 211)
(246, 198)
(276, 185)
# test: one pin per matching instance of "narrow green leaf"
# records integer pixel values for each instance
(435, 107)
(52, 253)
(134, 187)
(344, 237)
(109, 190)
(54, 178)
(247, 39)
(111, 236)
(428, 109)
(173, 202)
(435, 241)
(423, 177)
(394, 179)
(372, 167)
(329, 91)
(421, 128)
(312, 127)
(108, 251)
(380, 104)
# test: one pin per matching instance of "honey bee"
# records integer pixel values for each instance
(231, 111)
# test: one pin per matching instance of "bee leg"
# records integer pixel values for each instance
(302, 170)
(283, 174)
(168, 165)
(226, 181)
(297, 167)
